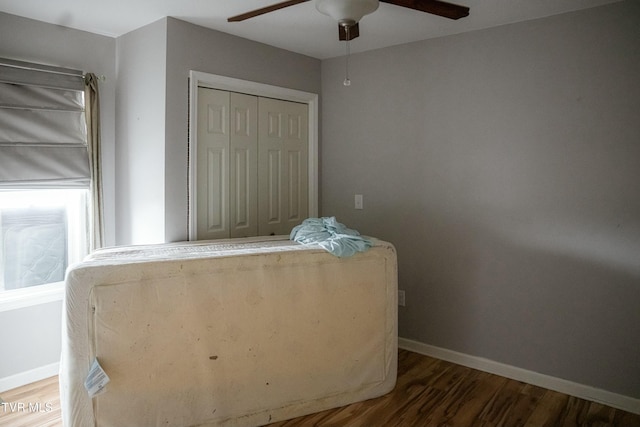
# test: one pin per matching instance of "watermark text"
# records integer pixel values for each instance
(30, 407)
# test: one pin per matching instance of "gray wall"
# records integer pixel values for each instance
(140, 123)
(30, 337)
(153, 69)
(191, 47)
(504, 164)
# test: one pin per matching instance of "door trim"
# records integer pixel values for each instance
(213, 81)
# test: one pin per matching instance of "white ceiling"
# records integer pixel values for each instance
(297, 28)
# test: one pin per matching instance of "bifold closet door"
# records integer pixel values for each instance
(251, 165)
(226, 161)
(282, 165)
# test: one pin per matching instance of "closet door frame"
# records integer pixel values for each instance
(213, 81)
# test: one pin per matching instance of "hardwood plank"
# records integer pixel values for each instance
(600, 415)
(500, 409)
(429, 392)
(624, 419)
(574, 413)
(547, 411)
(36, 404)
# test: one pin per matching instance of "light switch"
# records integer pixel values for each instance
(358, 201)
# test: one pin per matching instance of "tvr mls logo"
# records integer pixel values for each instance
(11, 407)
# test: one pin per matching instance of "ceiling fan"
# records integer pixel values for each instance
(349, 12)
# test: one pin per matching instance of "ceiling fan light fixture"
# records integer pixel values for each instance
(346, 10)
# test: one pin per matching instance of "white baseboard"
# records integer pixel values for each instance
(28, 377)
(582, 391)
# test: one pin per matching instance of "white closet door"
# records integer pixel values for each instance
(243, 166)
(252, 165)
(212, 162)
(282, 165)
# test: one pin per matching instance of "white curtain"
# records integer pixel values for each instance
(92, 114)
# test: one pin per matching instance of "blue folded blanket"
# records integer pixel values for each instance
(331, 235)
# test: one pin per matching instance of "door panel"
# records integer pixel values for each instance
(215, 188)
(293, 186)
(252, 165)
(273, 190)
(282, 165)
(243, 197)
(212, 164)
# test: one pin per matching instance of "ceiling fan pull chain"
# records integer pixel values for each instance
(347, 81)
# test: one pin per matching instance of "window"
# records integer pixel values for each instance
(42, 233)
(44, 178)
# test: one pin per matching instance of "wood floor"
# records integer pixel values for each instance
(45, 405)
(429, 392)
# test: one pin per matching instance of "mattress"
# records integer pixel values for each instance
(238, 332)
(38, 238)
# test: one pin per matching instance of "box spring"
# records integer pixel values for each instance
(239, 332)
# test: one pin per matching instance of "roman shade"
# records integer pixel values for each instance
(43, 132)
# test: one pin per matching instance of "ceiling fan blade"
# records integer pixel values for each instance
(435, 7)
(354, 31)
(264, 10)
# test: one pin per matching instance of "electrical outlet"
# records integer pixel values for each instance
(401, 299)
(359, 203)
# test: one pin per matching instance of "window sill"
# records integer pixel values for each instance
(28, 297)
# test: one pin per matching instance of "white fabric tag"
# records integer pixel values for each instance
(96, 380)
